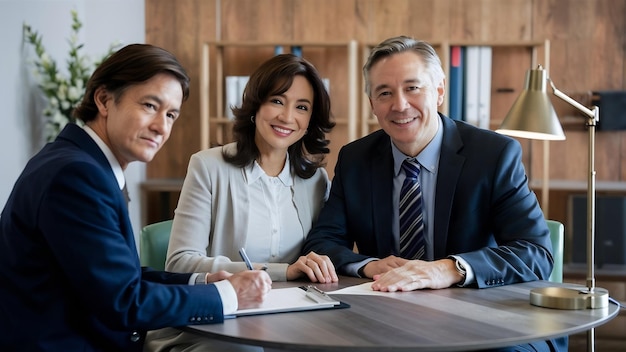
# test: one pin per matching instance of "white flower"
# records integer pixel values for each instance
(45, 59)
(63, 92)
(58, 117)
(74, 93)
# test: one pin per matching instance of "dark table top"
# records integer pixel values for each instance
(452, 319)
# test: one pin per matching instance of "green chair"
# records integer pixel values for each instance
(153, 244)
(556, 235)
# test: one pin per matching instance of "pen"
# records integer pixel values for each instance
(244, 256)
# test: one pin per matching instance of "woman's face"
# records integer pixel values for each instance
(283, 119)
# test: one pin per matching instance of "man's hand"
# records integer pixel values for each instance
(251, 287)
(382, 266)
(418, 274)
(317, 267)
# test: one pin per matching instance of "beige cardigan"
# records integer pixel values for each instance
(211, 218)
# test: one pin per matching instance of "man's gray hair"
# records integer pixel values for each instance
(401, 44)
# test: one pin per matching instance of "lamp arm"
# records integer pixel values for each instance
(590, 113)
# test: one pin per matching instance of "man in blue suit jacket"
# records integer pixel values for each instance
(482, 225)
(71, 277)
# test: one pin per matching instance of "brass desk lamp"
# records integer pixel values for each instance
(532, 116)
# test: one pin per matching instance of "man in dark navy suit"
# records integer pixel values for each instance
(477, 224)
(71, 277)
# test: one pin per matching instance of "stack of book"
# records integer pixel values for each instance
(470, 84)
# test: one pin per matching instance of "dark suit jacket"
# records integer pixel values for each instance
(484, 209)
(70, 274)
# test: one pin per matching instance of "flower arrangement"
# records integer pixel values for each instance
(62, 91)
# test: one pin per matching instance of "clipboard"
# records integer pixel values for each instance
(292, 299)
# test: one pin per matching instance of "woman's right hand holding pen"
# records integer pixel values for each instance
(318, 268)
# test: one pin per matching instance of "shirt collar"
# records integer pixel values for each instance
(115, 165)
(254, 172)
(428, 158)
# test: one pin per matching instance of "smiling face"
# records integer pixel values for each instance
(404, 99)
(136, 124)
(283, 119)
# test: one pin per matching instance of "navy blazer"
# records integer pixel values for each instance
(484, 209)
(70, 273)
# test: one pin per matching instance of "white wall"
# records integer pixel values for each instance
(104, 22)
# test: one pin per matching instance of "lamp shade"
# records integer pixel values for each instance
(532, 115)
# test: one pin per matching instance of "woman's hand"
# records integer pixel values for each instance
(319, 268)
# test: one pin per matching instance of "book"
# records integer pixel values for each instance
(326, 82)
(235, 86)
(456, 83)
(471, 81)
(484, 87)
(296, 50)
(292, 299)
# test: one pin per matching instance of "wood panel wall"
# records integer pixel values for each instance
(587, 52)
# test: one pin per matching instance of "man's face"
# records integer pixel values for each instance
(140, 121)
(404, 99)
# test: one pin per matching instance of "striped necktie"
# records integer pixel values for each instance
(411, 217)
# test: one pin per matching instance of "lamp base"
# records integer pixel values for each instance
(569, 298)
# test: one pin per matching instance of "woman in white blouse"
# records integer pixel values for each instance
(264, 191)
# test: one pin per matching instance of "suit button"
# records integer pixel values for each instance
(134, 337)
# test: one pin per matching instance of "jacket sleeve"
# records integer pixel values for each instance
(84, 220)
(505, 222)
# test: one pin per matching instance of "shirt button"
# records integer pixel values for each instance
(134, 337)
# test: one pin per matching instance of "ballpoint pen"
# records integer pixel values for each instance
(244, 256)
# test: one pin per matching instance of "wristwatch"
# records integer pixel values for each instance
(460, 268)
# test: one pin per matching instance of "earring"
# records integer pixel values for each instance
(252, 118)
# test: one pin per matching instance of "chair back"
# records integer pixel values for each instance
(153, 244)
(556, 235)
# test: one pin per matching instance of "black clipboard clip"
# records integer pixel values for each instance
(317, 295)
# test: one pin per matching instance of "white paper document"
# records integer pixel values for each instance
(291, 299)
(362, 289)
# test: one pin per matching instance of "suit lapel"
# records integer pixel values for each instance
(450, 166)
(381, 171)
